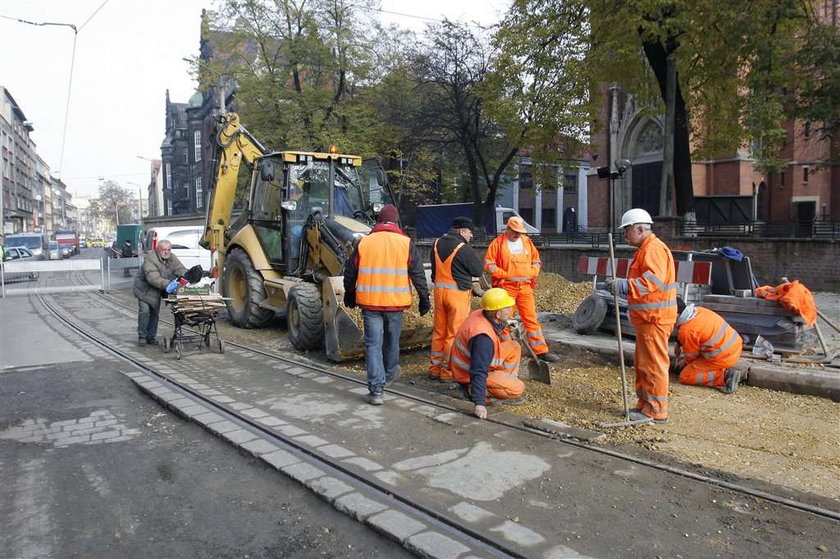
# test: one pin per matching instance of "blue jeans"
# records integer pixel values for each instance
(382, 347)
(147, 319)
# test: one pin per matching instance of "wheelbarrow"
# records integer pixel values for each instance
(537, 369)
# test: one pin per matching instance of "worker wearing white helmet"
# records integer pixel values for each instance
(651, 291)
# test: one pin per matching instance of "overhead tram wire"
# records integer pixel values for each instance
(72, 67)
(412, 16)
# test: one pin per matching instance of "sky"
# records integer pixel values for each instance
(128, 53)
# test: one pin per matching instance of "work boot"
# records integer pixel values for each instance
(548, 357)
(152, 341)
(141, 341)
(375, 399)
(732, 377)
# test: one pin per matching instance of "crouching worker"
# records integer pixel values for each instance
(484, 358)
(707, 348)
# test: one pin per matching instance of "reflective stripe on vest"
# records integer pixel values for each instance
(461, 360)
(383, 270)
(652, 298)
(443, 268)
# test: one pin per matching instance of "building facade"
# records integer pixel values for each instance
(19, 172)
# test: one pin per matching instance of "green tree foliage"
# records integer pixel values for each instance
(299, 65)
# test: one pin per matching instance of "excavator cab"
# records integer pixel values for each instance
(286, 251)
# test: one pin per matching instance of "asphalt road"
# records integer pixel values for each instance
(89, 467)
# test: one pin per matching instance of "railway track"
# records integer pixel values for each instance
(445, 524)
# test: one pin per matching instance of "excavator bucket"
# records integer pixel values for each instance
(344, 332)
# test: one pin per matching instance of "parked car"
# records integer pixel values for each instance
(34, 241)
(17, 254)
(54, 251)
(67, 250)
(184, 241)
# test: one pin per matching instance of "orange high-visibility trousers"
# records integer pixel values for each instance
(504, 383)
(651, 365)
(452, 306)
(707, 372)
(523, 294)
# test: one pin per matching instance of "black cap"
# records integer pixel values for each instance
(462, 222)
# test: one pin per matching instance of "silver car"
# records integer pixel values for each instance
(13, 254)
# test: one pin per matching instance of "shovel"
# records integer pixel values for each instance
(537, 369)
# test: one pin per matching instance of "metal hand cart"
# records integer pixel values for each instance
(195, 321)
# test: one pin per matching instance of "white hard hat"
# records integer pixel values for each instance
(636, 215)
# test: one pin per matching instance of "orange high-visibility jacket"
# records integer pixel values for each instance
(652, 286)
(383, 270)
(443, 268)
(504, 267)
(708, 335)
(460, 360)
(794, 297)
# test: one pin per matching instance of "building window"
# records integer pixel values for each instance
(526, 180)
(570, 183)
(197, 145)
(805, 172)
(186, 153)
(807, 131)
(169, 207)
(549, 218)
(168, 175)
(527, 214)
(199, 194)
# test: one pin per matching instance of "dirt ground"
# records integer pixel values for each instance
(780, 438)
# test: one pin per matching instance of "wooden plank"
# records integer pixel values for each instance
(757, 302)
(718, 307)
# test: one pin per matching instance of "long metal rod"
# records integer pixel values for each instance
(618, 333)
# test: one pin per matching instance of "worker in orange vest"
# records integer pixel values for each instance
(707, 347)
(651, 291)
(377, 278)
(485, 358)
(454, 264)
(513, 263)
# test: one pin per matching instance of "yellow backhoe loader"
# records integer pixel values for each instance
(286, 250)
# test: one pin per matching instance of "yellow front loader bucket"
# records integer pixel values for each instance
(344, 334)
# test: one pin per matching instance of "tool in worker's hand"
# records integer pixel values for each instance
(537, 369)
(627, 422)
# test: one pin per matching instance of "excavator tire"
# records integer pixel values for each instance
(305, 316)
(244, 285)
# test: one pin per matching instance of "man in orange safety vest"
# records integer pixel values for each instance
(513, 263)
(707, 347)
(651, 291)
(454, 264)
(485, 358)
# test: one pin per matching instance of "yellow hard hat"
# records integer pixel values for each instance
(495, 299)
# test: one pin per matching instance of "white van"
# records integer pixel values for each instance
(184, 241)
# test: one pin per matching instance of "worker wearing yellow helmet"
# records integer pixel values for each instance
(484, 358)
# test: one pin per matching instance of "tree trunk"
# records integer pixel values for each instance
(684, 190)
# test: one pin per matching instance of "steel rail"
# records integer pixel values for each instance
(682, 472)
(462, 532)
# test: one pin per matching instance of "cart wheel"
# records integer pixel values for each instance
(167, 344)
(221, 345)
(178, 350)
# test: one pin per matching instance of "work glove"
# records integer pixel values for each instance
(425, 306)
(350, 299)
(182, 281)
(620, 285)
(172, 287)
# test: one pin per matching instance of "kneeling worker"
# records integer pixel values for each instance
(484, 359)
(706, 349)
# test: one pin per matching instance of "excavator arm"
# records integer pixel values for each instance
(234, 144)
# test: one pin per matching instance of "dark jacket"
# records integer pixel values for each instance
(466, 264)
(481, 357)
(416, 273)
(156, 274)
